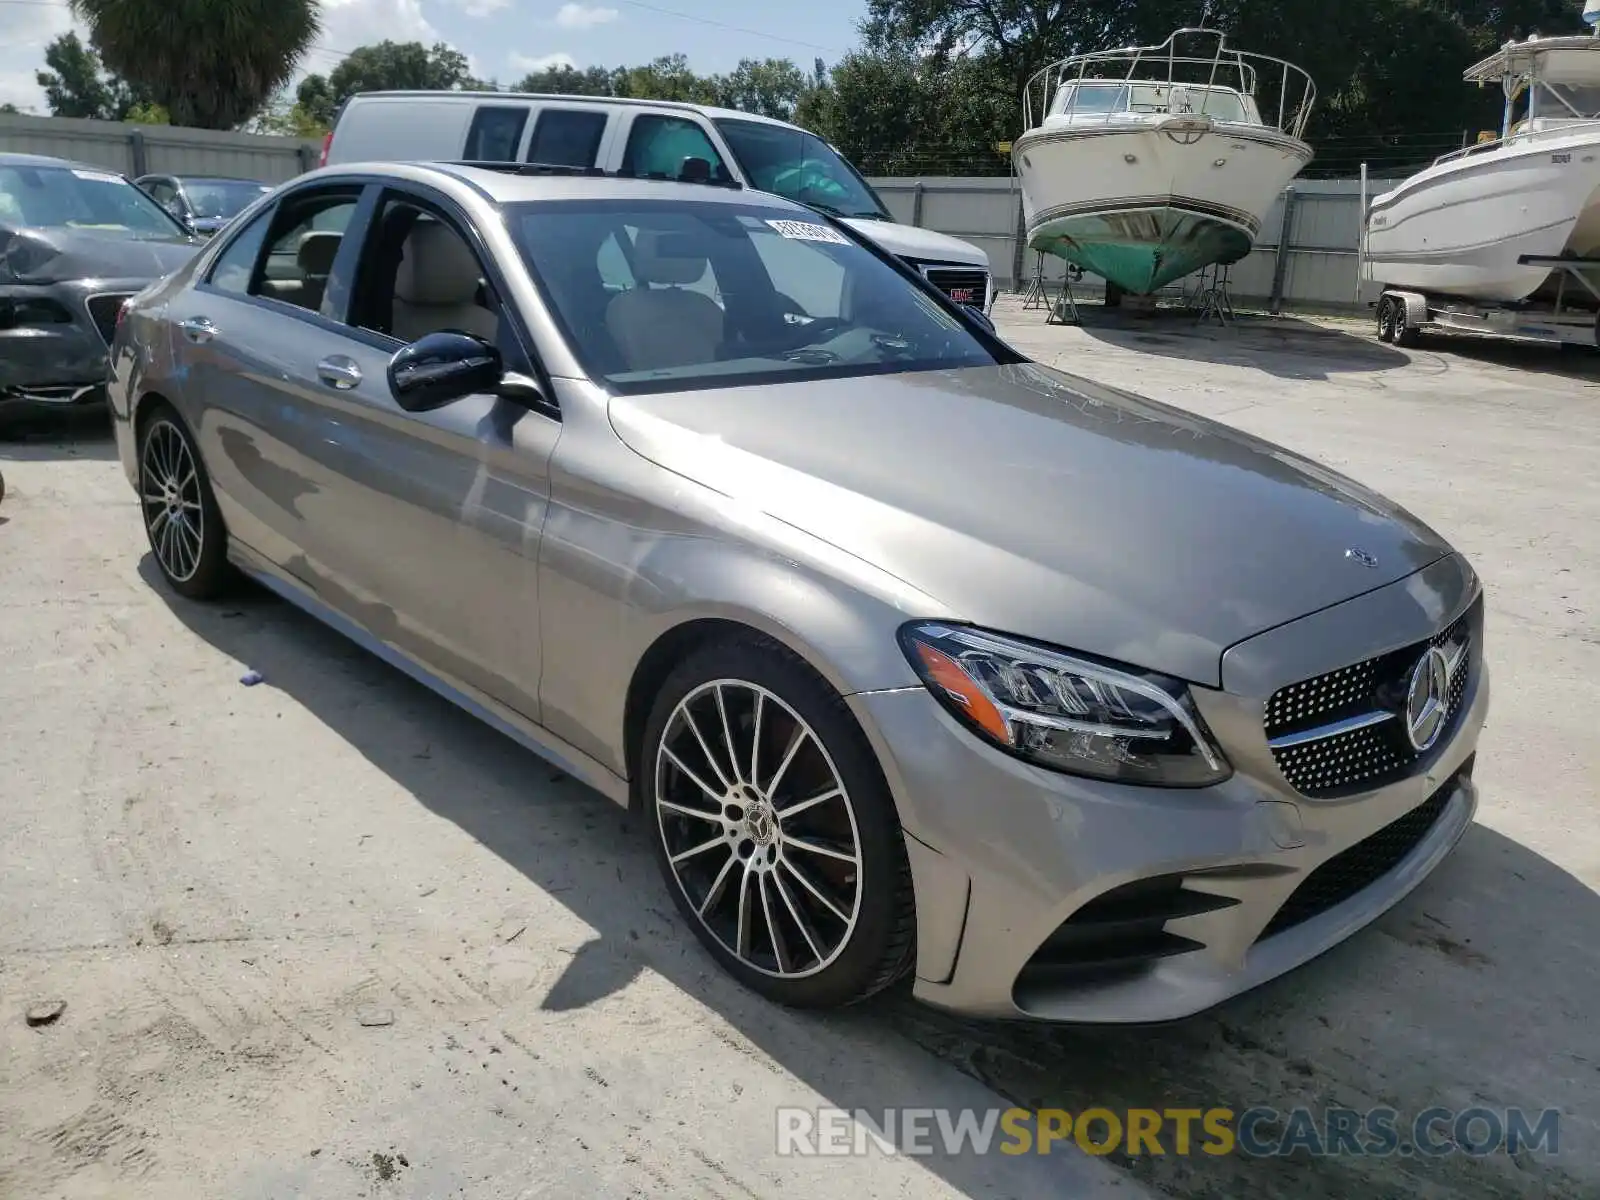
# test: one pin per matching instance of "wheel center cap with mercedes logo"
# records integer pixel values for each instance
(1427, 699)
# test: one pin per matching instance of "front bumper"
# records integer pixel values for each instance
(1015, 866)
(61, 363)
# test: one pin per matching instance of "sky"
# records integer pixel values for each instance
(504, 39)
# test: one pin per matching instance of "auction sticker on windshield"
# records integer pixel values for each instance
(805, 231)
(98, 176)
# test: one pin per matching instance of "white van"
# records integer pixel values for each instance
(648, 137)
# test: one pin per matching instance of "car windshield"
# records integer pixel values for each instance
(669, 295)
(800, 166)
(79, 198)
(221, 197)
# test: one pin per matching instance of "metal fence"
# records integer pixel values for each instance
(138, 150)
(1306, 256)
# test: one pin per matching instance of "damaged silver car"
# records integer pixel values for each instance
(75, 242)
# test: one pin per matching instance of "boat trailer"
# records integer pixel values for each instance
(1404, 316)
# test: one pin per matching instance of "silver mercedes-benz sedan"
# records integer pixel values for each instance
(916, 656)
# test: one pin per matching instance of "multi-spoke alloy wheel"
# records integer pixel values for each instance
(169, 488)
(758, 827)
(774, 828)
(180, 512)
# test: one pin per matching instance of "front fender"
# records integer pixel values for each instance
(631, 552)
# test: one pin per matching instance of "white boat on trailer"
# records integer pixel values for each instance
(1502, 237)
(1145, 164)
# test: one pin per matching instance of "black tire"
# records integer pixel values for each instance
(880, 948)
(1405, 333)
(1386, 307)
(1113, 295)
(197, 567)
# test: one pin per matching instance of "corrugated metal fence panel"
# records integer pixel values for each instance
(216, 152)
(134, 149)
(103, 143)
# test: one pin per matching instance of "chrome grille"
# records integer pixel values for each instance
(964, 285)
(1344, 731)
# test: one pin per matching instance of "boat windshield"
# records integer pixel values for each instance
(1106, 99)
(1571, 101)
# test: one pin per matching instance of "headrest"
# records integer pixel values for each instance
(317, 250)
(437, 268)
(663, 256)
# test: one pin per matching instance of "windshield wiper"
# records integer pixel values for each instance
(822, 206)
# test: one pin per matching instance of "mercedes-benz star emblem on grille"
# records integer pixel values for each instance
(1427, 698)
(1356, 554)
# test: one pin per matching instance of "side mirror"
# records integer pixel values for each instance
(981, 317)
(441, 368)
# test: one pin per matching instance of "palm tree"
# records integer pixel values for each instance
(209, 63)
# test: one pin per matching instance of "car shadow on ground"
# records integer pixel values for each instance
(1285, 347)
(1475, 991)
(46, 437)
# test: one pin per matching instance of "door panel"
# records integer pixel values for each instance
(429, 525)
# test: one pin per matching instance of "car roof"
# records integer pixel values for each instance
(210, 178)
(708, 110)
(513, 187)
(10, 159)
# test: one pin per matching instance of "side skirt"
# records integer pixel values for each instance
(519, 729)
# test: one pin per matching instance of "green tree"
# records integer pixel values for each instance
(772, 87)
(147, 114)
(562, 80)
(209, 63)
(667, 78)
(76, 85)
(386, 66)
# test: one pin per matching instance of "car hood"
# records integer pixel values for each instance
(924, 245)
(1044, 505)
(58, 255)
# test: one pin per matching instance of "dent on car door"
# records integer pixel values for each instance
(431, 521)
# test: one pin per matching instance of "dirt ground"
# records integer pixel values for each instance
(325, 936)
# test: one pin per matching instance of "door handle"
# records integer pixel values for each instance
(339, 372)
(198, 329)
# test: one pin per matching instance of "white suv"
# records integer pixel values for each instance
(652, 138)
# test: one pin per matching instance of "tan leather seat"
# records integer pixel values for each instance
(314, 256)
(437, 285)
(658, 323)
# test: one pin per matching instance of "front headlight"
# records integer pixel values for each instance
(1064, 712)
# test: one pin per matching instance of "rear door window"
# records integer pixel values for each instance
(495, 134)
(567, 137)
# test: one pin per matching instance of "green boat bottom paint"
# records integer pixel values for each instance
(1142, 250)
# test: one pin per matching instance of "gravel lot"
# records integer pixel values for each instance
(327, 937)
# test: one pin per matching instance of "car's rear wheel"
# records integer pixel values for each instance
(774, 828)
(180, 512)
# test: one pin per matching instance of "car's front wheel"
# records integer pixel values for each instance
(774, 827)
(180, 512)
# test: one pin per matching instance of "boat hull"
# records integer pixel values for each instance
(1462, 227)
(1144, 204)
